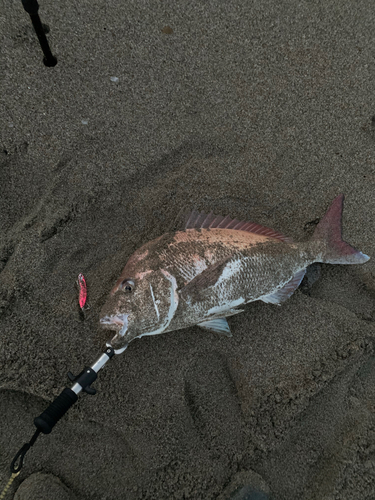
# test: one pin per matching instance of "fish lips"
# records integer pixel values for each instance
(118, 322)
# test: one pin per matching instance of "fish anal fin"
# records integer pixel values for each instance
(286, 291)
(219, 325)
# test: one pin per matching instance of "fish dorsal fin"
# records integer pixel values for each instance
(286, 291)
(219, 325)
(201, 220)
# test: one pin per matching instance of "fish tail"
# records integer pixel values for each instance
(328, 233)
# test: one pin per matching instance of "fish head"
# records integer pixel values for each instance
(138, 306)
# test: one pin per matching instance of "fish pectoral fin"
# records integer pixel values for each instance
(219, 325)
(205, 279)
(286, 291)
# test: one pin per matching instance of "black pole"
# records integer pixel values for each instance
(32, 7)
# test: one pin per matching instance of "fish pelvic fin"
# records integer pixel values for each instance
(218, 325)
(328, 233)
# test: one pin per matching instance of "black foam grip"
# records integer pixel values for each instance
(57, 409)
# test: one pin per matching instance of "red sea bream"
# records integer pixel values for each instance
(205, 273)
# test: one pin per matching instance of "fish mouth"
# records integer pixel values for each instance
(118, 322)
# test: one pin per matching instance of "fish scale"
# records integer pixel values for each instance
(259, 269)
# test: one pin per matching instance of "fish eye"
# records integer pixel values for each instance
(127, 285)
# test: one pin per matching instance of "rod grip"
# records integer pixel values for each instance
(57, 409)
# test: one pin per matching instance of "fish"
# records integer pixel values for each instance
(208, 270)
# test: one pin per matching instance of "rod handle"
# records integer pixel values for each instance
(57, 409)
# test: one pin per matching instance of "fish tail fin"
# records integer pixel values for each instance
(329, 233)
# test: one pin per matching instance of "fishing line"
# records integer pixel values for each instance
(8, 485)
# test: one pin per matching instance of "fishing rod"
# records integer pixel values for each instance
(57, 409)
(32, 7)
(64, 401)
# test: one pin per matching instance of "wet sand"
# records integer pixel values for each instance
(261, 111)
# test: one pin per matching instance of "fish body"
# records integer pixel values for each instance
(205, 273)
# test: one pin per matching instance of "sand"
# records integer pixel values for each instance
(258, 110)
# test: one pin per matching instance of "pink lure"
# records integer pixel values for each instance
(82, 291)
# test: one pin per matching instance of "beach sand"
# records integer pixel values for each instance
(257, 110)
